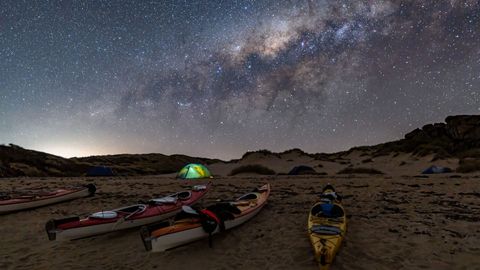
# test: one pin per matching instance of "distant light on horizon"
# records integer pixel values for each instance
(69, 151)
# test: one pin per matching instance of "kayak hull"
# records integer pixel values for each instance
(14, 205)
(87, 231)
(190, 230)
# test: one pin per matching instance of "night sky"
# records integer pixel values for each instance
(218, 78)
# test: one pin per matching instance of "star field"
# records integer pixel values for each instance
(218, 78)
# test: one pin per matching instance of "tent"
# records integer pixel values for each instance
(193, 171)
(302, 169)
(436, 169)
(100, 171)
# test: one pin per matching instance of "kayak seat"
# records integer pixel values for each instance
(325, 230)
(327, 210)
(225, 211)
(138, 208)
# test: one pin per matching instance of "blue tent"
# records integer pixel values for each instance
(100, 171)
(436, 169)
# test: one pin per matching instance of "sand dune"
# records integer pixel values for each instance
(394, 223)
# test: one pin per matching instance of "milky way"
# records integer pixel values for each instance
(218, 78)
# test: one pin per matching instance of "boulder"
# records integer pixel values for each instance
(463, 127)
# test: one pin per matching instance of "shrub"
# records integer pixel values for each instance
(263, 152)
(467, 166)
(255, 168)
(368, 160)
(359, 170)
(470, 153)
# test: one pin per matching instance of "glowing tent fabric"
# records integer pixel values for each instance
(194, 171)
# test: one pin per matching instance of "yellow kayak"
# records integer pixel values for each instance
(327, 225)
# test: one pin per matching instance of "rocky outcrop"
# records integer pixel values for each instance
(460, 134)
(3, 170)
(463, 127)
(458, 137)
(460, 127)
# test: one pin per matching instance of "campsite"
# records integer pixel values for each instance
(240, 134)
(393, 201)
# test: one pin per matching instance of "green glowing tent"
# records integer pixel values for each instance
(193, 171)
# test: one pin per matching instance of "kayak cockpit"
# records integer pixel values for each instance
(183, 195)
(172, 199)
(132, 209)
(129, 210)
(327, 210)
(249, 197)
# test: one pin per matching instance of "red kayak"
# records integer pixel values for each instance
(13, 203)
(124, 218)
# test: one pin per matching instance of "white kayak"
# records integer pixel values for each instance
(13, 203)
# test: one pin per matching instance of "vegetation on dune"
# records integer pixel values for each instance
(470, 153)
(468, 166)
(254, 168)
(368, 160)
(261, 152)
(266, 153)
(359, 170)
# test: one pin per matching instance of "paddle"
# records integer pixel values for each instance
(119, 221)
(123, 219)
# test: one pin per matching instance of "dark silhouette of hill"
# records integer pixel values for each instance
(16, 161)
(143, 164)
(458, 137)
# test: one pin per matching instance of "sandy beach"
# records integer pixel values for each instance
(402, 222)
